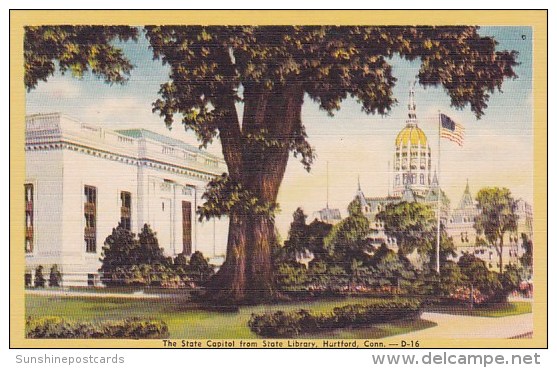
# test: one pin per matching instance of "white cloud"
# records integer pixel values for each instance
(56, 88)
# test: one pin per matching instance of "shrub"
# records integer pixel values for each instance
(57, 328)
(376, 312)
(130, 259)
(39, 277)
(277, 324)
(135, 328)
(199, 270)
(291, 276)
(55, 277)
(195, 272)
(489, 287)
(447, 283)
(129, 328)
(287, 324)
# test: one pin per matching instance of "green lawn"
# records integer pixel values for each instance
(504, 310)
(185, 321)
(498, 310)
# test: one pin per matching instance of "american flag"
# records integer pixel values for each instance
(451, 130)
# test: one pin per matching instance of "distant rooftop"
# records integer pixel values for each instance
(327, 214)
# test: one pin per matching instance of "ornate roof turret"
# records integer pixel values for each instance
(466, 201)
(360, 194)
(435, 181)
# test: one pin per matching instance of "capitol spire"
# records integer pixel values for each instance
(411, 105)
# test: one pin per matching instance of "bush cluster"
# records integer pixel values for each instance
(129, 328)
(138, 260)
(288, 324)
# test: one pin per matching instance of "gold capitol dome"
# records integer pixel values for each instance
(411, 135)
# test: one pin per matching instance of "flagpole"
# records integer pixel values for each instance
(437, 266)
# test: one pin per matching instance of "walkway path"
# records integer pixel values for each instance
(466, 327)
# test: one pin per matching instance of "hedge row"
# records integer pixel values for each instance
(129, 328)
(288, 324)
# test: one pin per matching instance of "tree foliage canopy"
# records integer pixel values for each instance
(497, 213)
(77, 49)
(330, 62)
(412, 224)
(497, 216)
(348, 240)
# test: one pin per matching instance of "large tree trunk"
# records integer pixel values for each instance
(228, 285)
(247, 274)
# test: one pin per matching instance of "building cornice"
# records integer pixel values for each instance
(47, 132)
(124, 159)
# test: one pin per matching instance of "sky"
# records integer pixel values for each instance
(497, 150)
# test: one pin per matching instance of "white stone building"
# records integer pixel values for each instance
(82, 180)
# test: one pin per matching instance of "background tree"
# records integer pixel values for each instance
(303, 238)
(497, 216)
(494, 286)
(297, 242)
(391, 268)
(271, 70)
(450, 278)
(317, 232)
(412, 224)
(447, 250)
(477, 274)
(348, 240)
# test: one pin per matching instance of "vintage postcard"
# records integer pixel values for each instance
(278, 179)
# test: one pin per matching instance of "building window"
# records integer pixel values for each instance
(29, 213)
(126, 210)
(397, 180)
(90, 212)
(28, 279)
(422, 179)
(186, 227)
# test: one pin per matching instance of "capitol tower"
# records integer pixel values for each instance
(412, 157)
